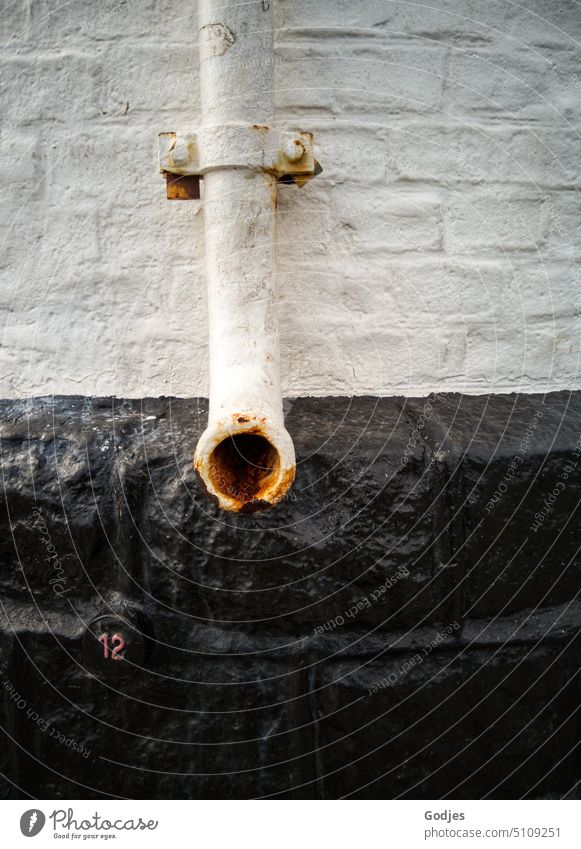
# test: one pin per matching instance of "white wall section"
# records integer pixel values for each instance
(437, 251)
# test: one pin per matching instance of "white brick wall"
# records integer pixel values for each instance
(437, 251)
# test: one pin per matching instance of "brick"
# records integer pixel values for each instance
(104, 165)
(392, 222)
(514, 84)
(564, 214)
(473, 23)
(152, 79)
(446, 155)
(174, 229)
(60, 87)
(495, 221)
(539, 354)
(350, 81)
(71, 23)
(347, 154)
(21, 167)
(36, 244)
(504, 292)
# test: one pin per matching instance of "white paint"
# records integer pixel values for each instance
(437, 251)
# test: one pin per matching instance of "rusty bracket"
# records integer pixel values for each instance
(184, 158)
(178, 163)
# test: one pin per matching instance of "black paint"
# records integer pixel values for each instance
(246, 693)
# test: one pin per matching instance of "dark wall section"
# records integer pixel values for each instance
(404, 624)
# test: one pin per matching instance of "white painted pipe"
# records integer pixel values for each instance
(245, 457)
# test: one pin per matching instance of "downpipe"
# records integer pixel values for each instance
(245, 458)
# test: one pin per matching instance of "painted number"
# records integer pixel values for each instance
(118, 644)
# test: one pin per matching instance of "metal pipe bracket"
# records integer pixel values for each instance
(184, 158)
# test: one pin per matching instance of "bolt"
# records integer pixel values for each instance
(294, 150)
(179, 152)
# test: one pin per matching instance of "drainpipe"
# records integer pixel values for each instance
(245, 458)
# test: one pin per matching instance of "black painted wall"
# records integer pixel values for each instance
(405, 624)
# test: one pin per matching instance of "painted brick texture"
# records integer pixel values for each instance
(404, 624)
(437, 251)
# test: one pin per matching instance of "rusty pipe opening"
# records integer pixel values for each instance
(246, 463)
(243, 466)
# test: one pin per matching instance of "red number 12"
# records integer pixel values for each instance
(118, 643)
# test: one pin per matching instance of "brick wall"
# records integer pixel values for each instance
(436, 251)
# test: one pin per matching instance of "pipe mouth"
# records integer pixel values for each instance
(246, 470)
(243, 466)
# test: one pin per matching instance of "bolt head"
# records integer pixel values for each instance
(180, 153)
(294, 150)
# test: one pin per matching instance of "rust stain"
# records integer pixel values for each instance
(180, 187)
(285, 483)
(244, 472)
(301, 179)
(261, 127)
(242, 466)
(274, 193)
